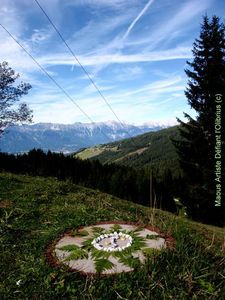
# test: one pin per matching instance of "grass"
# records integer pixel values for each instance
(89, 153)
(34, 211)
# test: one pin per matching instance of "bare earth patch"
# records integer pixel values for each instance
(139, 151)
(5, 203)
(107, 248)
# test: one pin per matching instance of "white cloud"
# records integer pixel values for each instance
(95, 37)
(171, 26)
(116, 4)
(159, 122)
(127, 73)
(149, 3)
(90, 89)
(148, 101)
(170, 54)
(149, 92)
(103, 40)
(175, 23)
(40, 35)
(17, 58)
(62, 110)
(10, 18)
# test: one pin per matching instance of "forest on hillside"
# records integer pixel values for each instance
(122, 181)
(153, 151)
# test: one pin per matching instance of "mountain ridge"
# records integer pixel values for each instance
(69, 138)
(152, 149)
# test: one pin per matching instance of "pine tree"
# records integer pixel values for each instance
(196, 149)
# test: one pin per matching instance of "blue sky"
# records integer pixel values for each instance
(135, 51)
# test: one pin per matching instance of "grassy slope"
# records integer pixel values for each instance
(34, 211)
(153, 148)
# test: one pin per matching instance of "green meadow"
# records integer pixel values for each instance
(35, 210)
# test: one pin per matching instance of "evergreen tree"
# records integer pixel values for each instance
(196, 149)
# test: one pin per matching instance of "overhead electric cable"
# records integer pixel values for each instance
(52, 79)
(83, 68)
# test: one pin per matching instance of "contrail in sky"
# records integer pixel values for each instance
(137, 18)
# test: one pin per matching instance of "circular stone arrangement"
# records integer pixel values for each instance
(112, 242)
(107, 248)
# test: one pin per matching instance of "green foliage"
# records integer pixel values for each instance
(95, 253)
(9, 96)
(152, 236)
(87, 244)
(116, 227)
(208, 286)
(69, 248)
(82, 233)
(138, 242)
(98, 230)
(76, 254)
(150, 251)
(129, 260)
(136, 230)
(103, 264)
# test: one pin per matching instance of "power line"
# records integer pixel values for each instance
(52, 79)
(82, 67)
(56, 83)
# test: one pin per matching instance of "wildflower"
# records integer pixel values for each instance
(19, 282)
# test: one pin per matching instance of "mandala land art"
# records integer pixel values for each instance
(107, 248)
(116, 241)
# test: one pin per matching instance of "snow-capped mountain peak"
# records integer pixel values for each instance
(68, 137)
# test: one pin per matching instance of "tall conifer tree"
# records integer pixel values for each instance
(206, 79)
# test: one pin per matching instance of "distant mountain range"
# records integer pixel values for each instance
(68, 138)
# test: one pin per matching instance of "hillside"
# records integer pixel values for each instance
(153, 149)
(36, 210)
